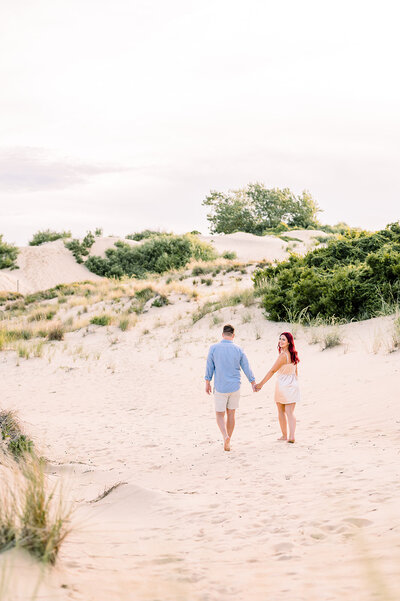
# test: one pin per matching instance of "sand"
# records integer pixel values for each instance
(249, 247)
(318, 520)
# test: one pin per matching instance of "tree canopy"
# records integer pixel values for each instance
(257, 210)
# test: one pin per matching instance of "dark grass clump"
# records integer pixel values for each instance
(56, 333)
(17, 443)
(101, 320)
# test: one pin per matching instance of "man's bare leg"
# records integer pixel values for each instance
(221, 425)
(282, 420)
(230, 421)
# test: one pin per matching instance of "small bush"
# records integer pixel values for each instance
(101, 320)
(81, 249)
(48, 236)
(56, 333)
(160, 301)
(229, 254)
(17, 443)
(8, 255)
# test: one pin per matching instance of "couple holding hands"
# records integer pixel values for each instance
(224, 361)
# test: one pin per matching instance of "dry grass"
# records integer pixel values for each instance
(31, 516)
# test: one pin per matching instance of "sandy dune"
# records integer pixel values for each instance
(263, 248)
(42, 267)
(187, 522)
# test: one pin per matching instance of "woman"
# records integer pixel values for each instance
(287, 392)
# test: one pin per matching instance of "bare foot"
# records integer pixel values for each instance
(282, 438)
(291, 441)
(227, 444)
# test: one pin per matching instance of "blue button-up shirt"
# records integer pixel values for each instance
(225, 360)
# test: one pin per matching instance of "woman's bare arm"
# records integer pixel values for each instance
(281, 360)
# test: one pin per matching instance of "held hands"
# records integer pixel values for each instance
(254, 387)
(257, 387)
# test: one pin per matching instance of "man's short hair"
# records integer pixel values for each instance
(228, 329)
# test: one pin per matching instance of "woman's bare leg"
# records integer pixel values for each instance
(291, 421)
(282, 420)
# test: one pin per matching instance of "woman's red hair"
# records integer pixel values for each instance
(292, 349)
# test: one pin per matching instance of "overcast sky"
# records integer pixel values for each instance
(125, 113)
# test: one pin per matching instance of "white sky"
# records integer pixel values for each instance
(125, 113)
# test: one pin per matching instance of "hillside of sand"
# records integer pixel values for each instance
(125, 413)
(42, 267)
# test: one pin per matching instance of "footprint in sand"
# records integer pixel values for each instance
(359, 522)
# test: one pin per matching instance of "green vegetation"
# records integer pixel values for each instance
(17, 443)
(48, 236)
(101, 320)
(355, 276)
(160, 301)
(81, 249)
(229, 254)
(8, 255)
(158, 255)
(258, 210)
(29, 516)
(145, 234)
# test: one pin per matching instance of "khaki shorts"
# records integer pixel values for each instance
(226, 400)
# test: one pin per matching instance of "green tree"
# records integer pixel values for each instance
(257, 210)
(232, 212)
(8, 255)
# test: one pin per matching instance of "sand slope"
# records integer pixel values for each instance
(188, 521)
(249, 247)
(42, 267)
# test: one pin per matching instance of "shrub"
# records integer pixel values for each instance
(8, 255)
(56, 333)
(350, 278)
(18, 444)
(145, 234)
(160, 301)
(48, 236)
(158, 255)
(229, 254)
(80, 249)
(101, 320)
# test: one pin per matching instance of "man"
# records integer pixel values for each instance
(224, 361)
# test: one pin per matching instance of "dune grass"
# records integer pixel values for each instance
(31, 517)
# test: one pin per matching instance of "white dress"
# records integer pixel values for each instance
(287, 385)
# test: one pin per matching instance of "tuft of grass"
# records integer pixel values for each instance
(101, 320)
(229, 254)
(395, 340)
(123, 324)
(331, 338)
(56, 333)
(17, 443)
(246, 318)
(160, 301)
(43, 527)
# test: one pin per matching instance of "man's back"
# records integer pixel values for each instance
(225, 359)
